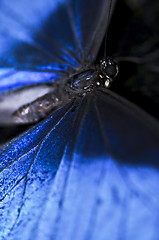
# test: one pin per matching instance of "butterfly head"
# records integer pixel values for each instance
(108, 70)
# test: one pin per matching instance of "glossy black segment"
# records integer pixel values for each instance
(109, 68)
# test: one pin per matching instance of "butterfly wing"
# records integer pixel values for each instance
(28, 167)
(108, 189)
(92, 173)
(75, 174)
(46, 40)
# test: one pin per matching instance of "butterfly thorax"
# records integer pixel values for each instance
(98, 75)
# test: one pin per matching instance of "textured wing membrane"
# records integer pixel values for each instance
(21, 175)
(91, 169)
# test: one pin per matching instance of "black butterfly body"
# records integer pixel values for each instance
(75, 86)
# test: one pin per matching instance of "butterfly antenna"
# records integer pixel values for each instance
(106, 33)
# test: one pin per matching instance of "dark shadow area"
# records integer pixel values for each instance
(130, 34)
(9, 132)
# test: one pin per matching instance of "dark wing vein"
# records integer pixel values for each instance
(73, 25)
(103, 131)
(43, 138)
(69, 152)
(36, 153)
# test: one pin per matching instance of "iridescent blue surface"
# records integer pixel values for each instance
(90, 170)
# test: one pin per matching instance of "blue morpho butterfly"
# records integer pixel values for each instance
(89, 169)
